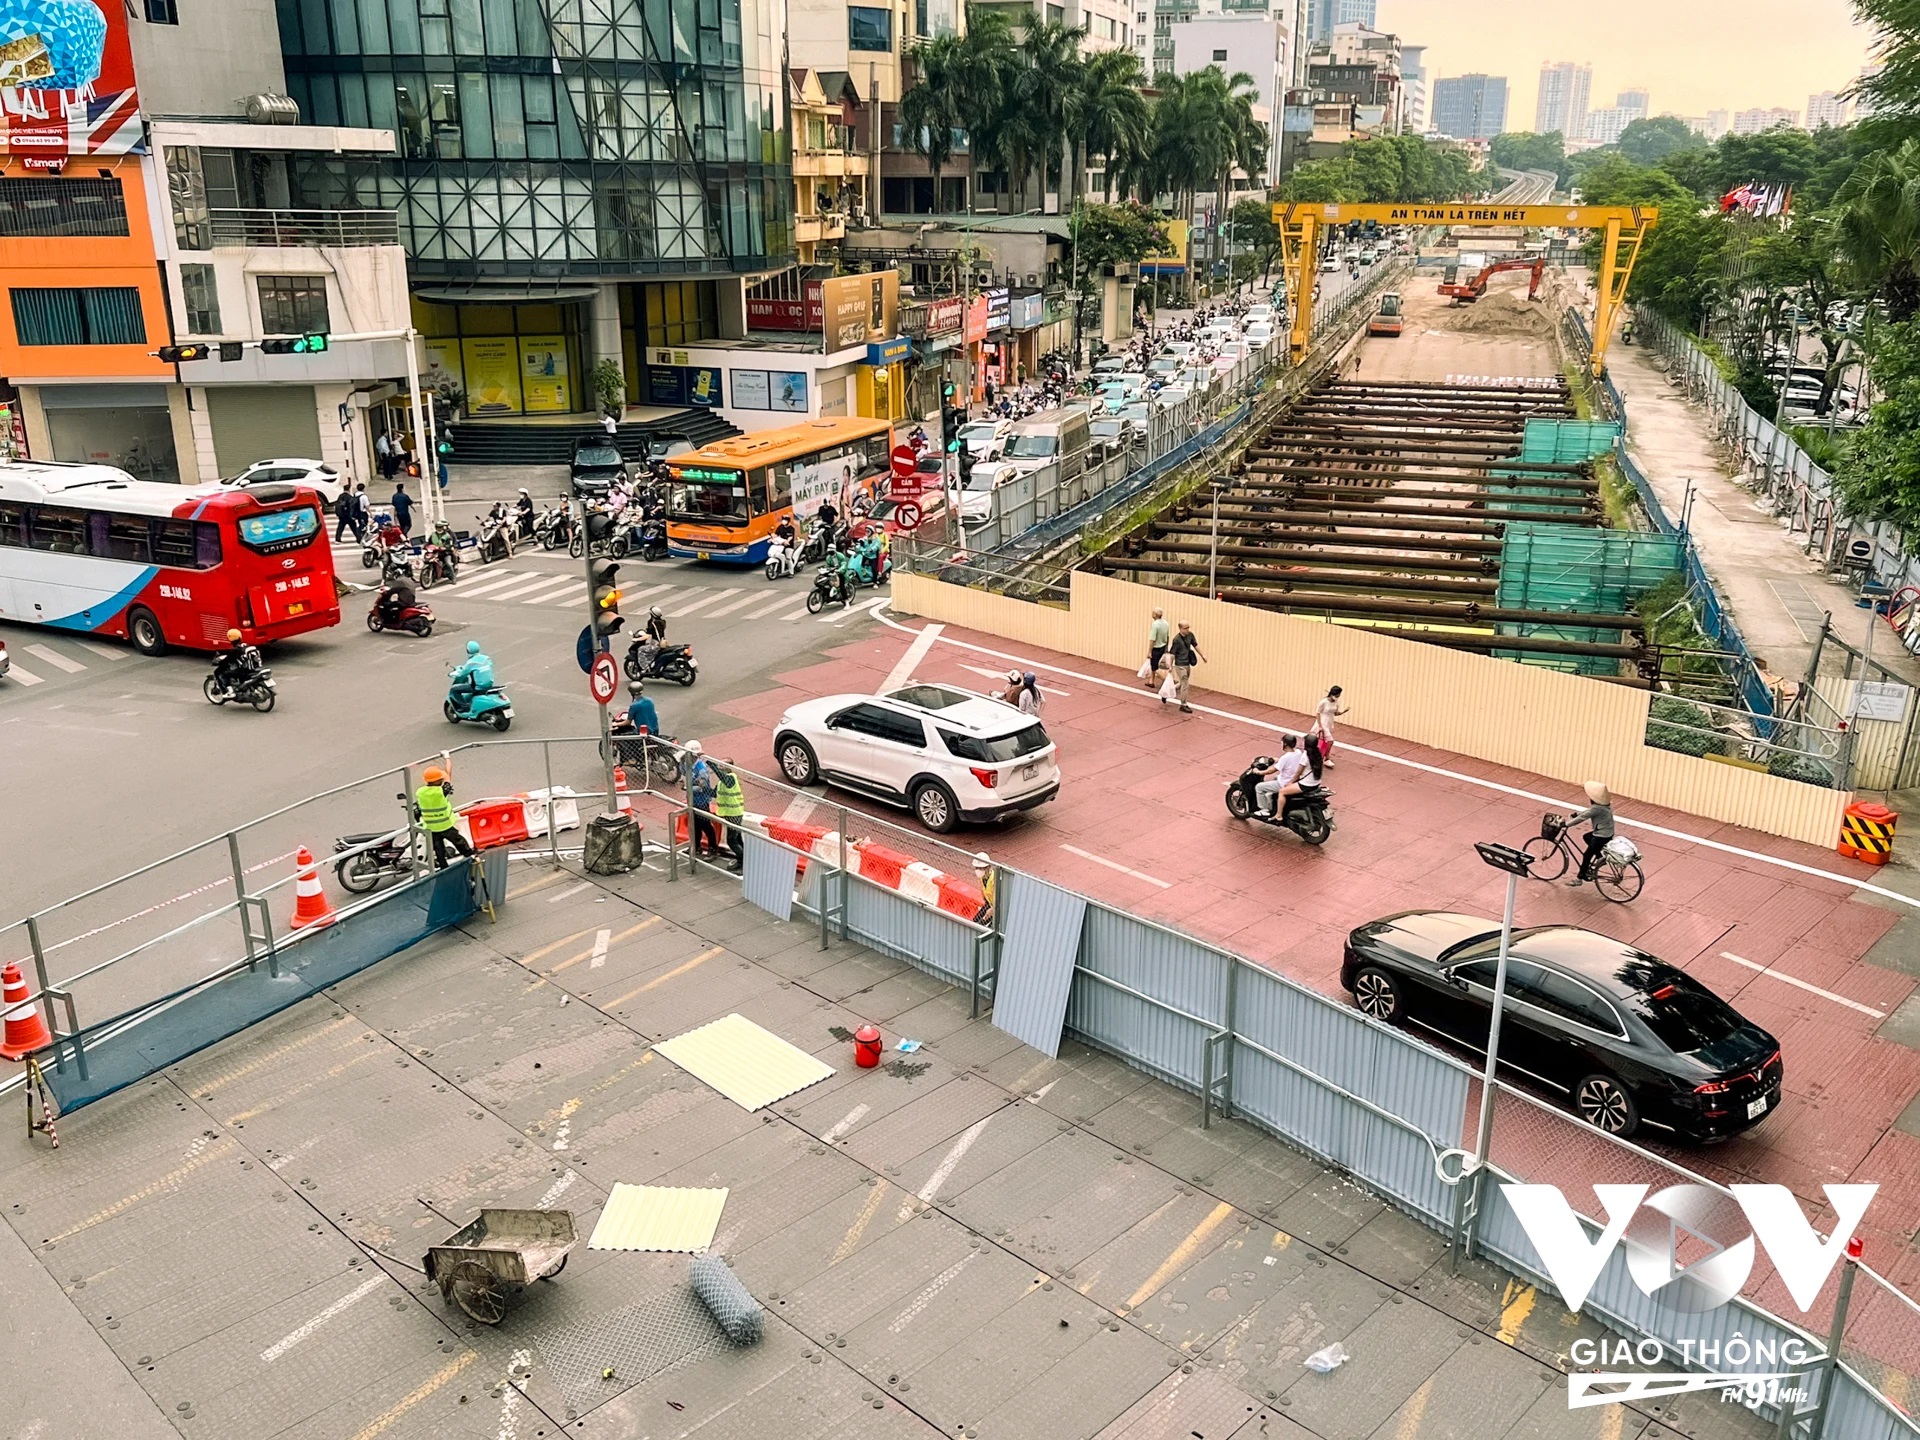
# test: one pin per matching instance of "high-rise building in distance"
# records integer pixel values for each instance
(1562, 101)
(1825, 109)
(1752, 122)
(1413, 89)
(1323, 15)
(1469, 107)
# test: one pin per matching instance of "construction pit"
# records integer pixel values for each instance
(1438, 486)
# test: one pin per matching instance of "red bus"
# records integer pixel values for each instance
(87, 548)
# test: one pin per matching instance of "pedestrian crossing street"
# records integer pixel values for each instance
(693, 594)
(35, 660)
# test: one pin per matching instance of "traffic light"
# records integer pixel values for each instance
(966, 465)
(604, 589)
(312, 343)
(174, 354)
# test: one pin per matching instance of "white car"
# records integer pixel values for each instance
(940, 752)
(1171, 396)
(1256, 314)
(313, 474)
(1330, 265)
(1178, 349)
(983, 437)
(1259, 337)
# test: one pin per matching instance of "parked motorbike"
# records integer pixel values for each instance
(256, 688)
(667, 662)
(782, 559)
(630, 748)
(1306, 814)
(385, 858)
(485, 707)
(416, 618)
(830, 587)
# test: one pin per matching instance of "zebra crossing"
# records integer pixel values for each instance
(678, 600)
(53, 654)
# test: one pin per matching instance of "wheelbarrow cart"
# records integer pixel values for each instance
(480, 1264)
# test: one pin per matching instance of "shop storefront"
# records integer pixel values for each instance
(881, 382)
(507, 360)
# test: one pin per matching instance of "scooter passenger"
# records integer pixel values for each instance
(1283, 778)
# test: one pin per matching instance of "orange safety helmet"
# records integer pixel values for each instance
(435, 775)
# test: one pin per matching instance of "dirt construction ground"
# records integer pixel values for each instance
(1500, 335)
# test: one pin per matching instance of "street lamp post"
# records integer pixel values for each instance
(1514, 863)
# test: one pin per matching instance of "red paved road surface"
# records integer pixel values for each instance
(1143, 789)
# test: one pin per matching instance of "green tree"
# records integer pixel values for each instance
(1527, 150)
(1878, 472)
(1039, 106)
(1891, 96)
(1678, 272)
(1321, 182)
(1203, 130)
(1113, 235)
(1377, 168)
(1253, 227)
(1615, 180)
(1646, 142)
(1878, 217)
(1110, 118)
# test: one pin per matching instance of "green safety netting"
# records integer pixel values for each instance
(1567, 442)
(1576, 570)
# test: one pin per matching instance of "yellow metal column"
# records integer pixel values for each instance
(1300, 262)
(1619, 249)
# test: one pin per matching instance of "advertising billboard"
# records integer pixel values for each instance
(858, 308)
(66, 79)
(543, 373)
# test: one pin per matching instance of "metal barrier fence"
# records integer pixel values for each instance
(1389, 1110)
(1710, 610)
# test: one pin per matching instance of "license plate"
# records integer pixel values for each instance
(296, 609)
(1758, 1107)
(1027, 772)
(703, 555)
(508, 712)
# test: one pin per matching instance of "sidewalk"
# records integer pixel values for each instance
(974, 1240)
(1775, 592)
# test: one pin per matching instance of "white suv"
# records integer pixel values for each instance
(942, 753)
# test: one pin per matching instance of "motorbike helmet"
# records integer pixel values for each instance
(233, 637)
(694, 748)
(473, 647)
(523, 491)
(1013, 677)
(636, 687)
(435, 775)
(653, 613)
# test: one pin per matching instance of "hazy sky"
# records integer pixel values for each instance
(1693, 55)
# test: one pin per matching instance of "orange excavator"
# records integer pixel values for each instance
(1468, 291)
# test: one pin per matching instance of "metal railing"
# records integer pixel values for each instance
(1385, 1108)
(287, 229)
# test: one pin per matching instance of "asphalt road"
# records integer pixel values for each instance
(118, 758)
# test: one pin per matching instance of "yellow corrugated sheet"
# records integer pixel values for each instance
(656, 1217)
(750, 1066)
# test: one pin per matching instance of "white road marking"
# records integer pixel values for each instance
(481, 587)
(740, 604)
(280, 1347)
(951, 1162)
(105, 652)
(1478, 781)
(572, 890)
(56, 659)
(1803, 985)
(852, 1118)
(280, 1162)
(23, 675)
(904, 667)
(712, 597)
(513, 592)
(1116, 865)
(1041, 1093)
(556, 1190)
(627, 597)
(511, 1401)
(853, 611)
(779, 604)
(600, 949)
(546, 595)
(925, 1298)
(560, 1134)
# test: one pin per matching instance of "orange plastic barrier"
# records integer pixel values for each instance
(496, 822)
(960, 896)
(881, 864)
(1866, 832)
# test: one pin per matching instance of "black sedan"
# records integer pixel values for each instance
(597, 465)
(1626, 1038)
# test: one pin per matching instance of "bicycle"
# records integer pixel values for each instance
(1616, 872)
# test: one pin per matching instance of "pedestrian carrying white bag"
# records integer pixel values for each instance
(1145, 670)
(1168, 690)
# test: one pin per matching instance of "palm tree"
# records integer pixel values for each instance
(1049, 73)
(1204, 130)
(1108, 116)
(1879, 225)
(959, 87)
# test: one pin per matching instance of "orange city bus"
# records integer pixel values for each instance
(726, 498)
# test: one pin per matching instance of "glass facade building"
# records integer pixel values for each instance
(545, 138)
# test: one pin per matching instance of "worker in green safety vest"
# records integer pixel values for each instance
(729, 805)
(437, 818)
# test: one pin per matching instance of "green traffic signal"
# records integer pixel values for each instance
(953, 447)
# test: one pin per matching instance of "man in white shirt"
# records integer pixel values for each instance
(1283, 778)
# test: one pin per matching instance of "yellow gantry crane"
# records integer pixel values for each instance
(1626, 226)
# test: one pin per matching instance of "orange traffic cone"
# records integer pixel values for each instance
(620, 789)
(310, 905)
(26, 1032)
